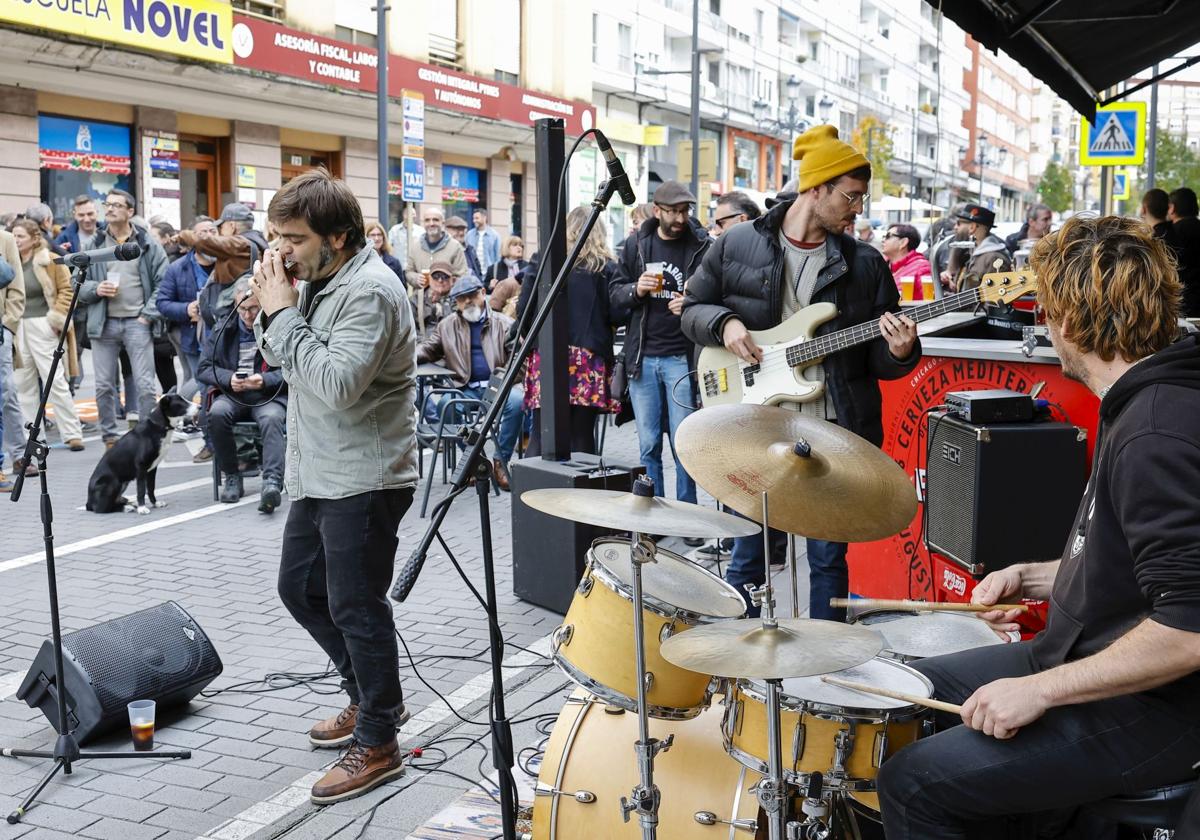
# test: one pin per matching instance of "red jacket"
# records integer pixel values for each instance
(913, 265)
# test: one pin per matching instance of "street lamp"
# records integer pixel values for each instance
(790, 124)
(824, 107)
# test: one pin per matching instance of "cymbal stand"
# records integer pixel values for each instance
(645, 797)
(791, 560)
(771, 791)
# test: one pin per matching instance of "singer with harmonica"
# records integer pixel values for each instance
(344, 338)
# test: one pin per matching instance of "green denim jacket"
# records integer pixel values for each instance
(350, 366)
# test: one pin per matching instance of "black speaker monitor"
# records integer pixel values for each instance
(158, 654)
(1001, 494)
(549, 553)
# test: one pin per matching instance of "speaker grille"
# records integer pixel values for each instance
(143, 654)
(950, 476)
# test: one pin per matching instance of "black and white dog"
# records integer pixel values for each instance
(137, 456)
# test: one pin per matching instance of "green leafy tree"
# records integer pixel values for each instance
(873, 138)
(1056, 187)
(1175, 165)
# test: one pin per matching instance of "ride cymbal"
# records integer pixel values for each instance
(822, 481)
(624, 511)
(798, 647)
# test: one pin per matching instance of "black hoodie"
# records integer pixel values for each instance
(1134, 550)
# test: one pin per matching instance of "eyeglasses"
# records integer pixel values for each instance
(115, 205)
(682, 210)
(721, 221)
(891, 235)
(855, 198)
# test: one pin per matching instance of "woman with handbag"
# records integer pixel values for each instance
(47, 299)
(590, 361)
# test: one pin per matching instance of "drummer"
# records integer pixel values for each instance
(1106, 700)
(761, 273)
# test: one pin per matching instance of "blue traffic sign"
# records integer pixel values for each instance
(412, 175)
(1116, 138)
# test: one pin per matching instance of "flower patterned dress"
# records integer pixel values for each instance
(589, 381)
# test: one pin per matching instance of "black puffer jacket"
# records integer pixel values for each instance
(742, 276)
(626, 305)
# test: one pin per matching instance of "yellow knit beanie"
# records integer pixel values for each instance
(823, 157)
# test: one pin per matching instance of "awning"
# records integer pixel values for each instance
(1080, 47)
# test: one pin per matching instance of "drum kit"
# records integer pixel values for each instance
(812, 708)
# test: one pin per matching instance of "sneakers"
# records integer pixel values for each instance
(339, 729)
(203, 456)
(270, 498)
(232, 490)
(75, 445)
(360, 769)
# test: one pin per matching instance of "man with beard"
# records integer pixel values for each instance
(763, 272)
(345, 340)
(648, 291)
(435, 245)
(990, 253)
(1106, 699)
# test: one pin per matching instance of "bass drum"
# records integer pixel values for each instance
(589, 764)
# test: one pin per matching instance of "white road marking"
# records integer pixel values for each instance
(296, 795)
(9, 684)
(170, 489)
(154, 524)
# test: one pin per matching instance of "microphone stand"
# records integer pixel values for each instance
(473, 463)
(66, 749)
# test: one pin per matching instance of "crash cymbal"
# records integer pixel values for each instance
(822, 481)
(624, 511)
(798, 647)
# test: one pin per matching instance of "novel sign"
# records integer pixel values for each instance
(197, 29)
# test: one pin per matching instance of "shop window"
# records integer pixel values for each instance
(81, 157)
(356, 37)
(298, 161)
(463, 189)
(202, 176)
(745, 165)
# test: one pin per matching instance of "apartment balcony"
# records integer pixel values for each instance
(265, 9)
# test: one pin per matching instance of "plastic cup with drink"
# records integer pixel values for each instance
(141, 724)
(656, 268)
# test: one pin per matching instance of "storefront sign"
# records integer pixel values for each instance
(414, 123)
(247, 176)
(268, 47)
(160, 176)
(83, 145)
(460, 183)
(412, 179)
(197, 29)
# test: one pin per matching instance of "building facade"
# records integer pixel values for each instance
(239, 100)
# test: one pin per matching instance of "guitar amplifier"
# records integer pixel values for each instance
(1001, 494)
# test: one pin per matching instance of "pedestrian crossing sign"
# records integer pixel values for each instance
(1118, 137)
(1121, 185)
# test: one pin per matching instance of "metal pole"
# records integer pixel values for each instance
(381, 119)
(549, 137)
(1151, 160)
(696, 100)
(912, 190)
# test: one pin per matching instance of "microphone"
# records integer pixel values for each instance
(616, 172)
(125, 251)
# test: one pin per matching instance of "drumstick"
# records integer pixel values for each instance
(932, 606)
(915, 699)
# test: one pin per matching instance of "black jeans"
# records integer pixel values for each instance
(961, 783)
(271, 418)
(338, 558)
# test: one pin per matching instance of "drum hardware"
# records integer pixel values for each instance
(583, 797)
(562, 636)
(585, 584)
(709, 818)
(879, 753)
(791, 561)
(815, 807)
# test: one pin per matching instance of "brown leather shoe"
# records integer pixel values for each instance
(75, 445)
(360, 769)
(336, 731)
(500, 474)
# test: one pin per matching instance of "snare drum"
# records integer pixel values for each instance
(826, 728)
(588, 766)
(595, 645)
(908, 636)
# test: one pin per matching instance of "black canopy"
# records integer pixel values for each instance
(1080, 47)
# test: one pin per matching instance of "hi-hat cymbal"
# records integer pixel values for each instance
(798, 647)
(624, 511)
(822, 481)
